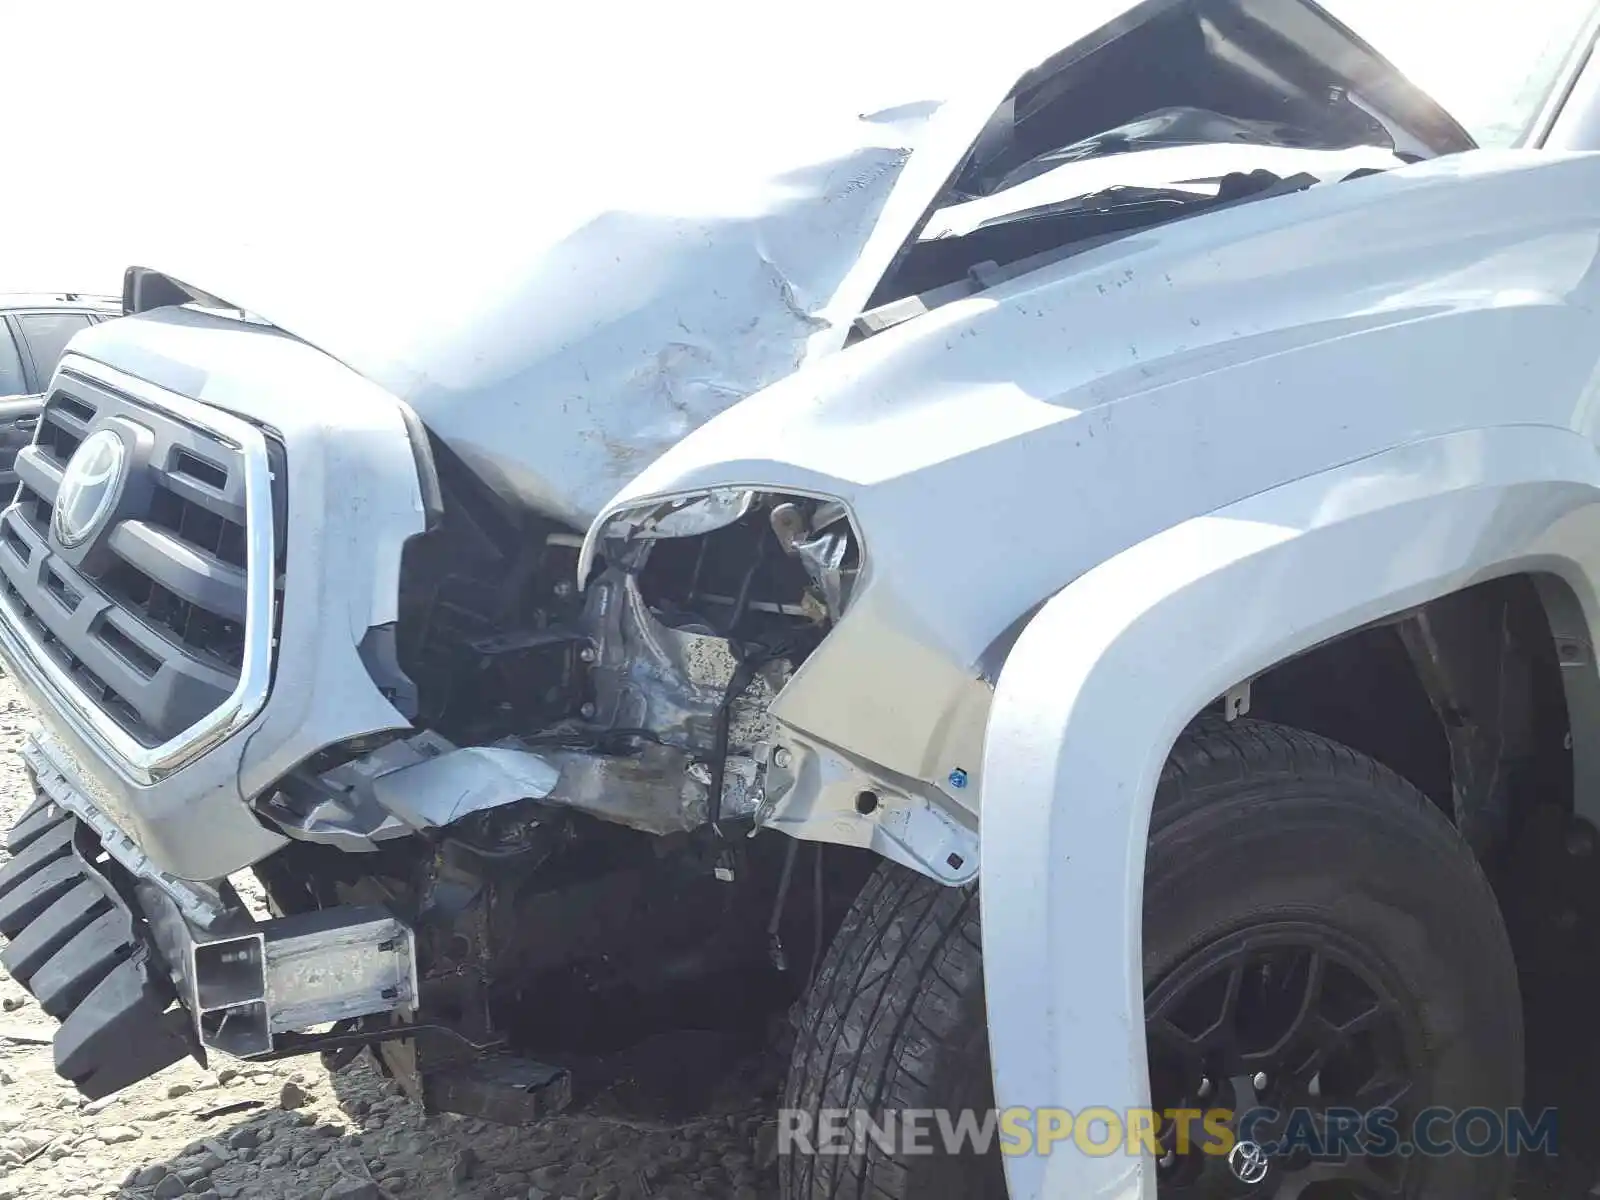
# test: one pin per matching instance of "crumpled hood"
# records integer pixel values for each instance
(566, 257)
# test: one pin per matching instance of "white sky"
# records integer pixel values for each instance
(128, 124)
(142, 121)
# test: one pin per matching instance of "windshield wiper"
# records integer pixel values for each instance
(1119, 199)
(980, 277)
(1132, 198)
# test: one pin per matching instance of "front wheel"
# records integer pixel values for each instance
(1318, 941)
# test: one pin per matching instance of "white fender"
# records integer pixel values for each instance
(1108, 673)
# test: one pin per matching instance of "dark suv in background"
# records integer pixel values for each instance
(34, 330)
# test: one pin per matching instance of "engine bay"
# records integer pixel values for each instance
(592, 889)
(647, 691)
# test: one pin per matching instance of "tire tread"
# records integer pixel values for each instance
(895, 1018)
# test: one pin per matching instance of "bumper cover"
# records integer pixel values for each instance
(352, 499)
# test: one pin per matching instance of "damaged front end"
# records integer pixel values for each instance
(575, 834)
(570, 851)
(655, 684)
(515, 793)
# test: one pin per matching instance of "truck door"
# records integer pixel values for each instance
(38, 339)
(19, 410)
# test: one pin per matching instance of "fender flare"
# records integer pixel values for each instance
(1105, 677)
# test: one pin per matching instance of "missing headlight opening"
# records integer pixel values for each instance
(643, 697)
(589, 768)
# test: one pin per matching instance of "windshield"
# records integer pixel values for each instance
(1215, 102)
(1490, 65)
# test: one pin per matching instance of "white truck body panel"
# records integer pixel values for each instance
(1106, 676)
(638, 265)
(1275, 425)
(1209, 360)
(677, 233)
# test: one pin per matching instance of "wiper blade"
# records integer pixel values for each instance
(988, 274)
(1236, 185)
(1120, 199)
(1197, 171)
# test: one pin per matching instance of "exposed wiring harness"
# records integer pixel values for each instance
(746, 664)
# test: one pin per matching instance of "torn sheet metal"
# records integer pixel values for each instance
(425, 783)
(438, 791)
(651, 791)
(353, 822)
(419, 783)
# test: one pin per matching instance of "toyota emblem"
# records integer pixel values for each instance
(89, 488)
(1248, 1162)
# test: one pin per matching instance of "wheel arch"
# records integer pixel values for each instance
(1465, 696)
(1106, 676)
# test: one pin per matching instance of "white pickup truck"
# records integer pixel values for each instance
(1149, 486)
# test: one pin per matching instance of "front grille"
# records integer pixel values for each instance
(148, 617)
(205, 633)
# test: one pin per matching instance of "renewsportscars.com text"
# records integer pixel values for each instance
(1327, 1133)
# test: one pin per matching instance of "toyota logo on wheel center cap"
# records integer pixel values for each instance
(1248, 1162)
(89, 487)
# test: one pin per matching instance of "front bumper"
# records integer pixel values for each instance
(350, 499)
(143, 969)
(61, 616)
(191, 823)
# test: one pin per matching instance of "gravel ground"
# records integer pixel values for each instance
(290, 1130)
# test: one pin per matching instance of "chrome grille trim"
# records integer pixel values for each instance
(139, 763)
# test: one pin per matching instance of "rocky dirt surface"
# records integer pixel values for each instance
(291, 1130)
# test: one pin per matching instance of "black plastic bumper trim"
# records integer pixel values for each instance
(85, 955)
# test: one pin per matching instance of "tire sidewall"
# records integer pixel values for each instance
(1385, 877)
